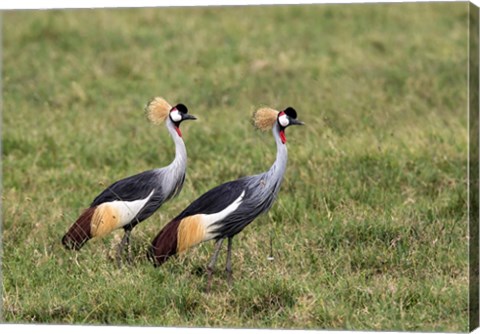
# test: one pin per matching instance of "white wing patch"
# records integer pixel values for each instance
(127, 210)
(208, 220)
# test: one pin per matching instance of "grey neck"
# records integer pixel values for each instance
(180, 161)
(276, 172)
(173, 175)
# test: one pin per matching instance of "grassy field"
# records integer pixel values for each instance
(370, 228)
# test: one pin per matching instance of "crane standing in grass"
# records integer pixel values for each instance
(129, 201)
(227, 209)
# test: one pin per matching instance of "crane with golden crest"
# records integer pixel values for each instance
(227, 209)
(131, 200)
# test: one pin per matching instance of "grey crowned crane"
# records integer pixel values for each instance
(131, 200)
(227, 209)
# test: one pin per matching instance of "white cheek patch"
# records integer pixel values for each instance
(175, 116)
(283, 120)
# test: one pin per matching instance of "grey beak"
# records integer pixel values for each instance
(187, 117)
(296, 122)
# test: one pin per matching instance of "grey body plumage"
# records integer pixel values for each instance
(260, 190)
(165, 183)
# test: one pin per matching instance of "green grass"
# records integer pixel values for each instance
(370, 228)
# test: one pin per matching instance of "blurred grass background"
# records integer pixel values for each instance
(370, 227)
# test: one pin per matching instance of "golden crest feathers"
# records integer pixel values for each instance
(264, 118)
(157, 110)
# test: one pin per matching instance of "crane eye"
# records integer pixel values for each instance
(175, 116)
(283, 120)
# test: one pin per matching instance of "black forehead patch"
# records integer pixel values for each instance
(182, 108)
(291, 112)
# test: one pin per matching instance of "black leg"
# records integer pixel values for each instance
(121, 247)
(228, 267)
(211, 264)
(129, 251)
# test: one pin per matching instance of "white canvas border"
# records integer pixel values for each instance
(48, 4)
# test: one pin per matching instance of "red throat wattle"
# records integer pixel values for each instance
(178, 131)
(282, 136)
